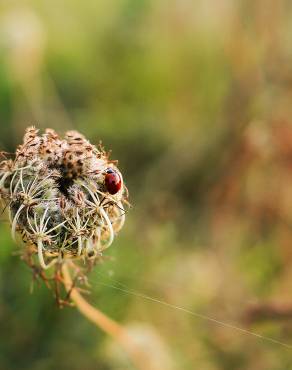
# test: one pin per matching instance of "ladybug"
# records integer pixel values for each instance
(112, 181)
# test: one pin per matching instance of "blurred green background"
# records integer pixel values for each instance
(194, 99)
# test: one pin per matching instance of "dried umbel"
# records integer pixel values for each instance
(66, 199)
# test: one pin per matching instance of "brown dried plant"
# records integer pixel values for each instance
(66, 202)
(65, 198)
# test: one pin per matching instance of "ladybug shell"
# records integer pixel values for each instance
(113, 181)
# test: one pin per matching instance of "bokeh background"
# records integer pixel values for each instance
(194, 99)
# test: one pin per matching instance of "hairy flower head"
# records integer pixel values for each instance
(65, 197)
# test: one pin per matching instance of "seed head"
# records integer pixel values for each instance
(66, 199)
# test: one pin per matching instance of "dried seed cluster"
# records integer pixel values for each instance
(57, 195)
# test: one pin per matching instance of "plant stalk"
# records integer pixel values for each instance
(109, 326)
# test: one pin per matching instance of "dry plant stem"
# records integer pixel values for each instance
(109, 326)
(268, 311)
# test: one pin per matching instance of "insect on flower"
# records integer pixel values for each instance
(113, 181)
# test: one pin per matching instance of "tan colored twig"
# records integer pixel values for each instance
(268, 311)
(108, 325)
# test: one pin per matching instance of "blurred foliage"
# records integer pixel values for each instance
(194, 99)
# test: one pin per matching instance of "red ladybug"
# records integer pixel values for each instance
(112, 181)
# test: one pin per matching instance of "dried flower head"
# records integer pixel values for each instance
(66, 199)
